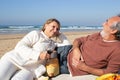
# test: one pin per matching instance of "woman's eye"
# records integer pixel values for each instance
(53, 26)
(58, 29)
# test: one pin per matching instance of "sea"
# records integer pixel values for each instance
(23, 29)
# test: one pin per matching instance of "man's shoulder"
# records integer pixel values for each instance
(94, 36)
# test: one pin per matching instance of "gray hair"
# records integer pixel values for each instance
(116, 26)
(118, 15)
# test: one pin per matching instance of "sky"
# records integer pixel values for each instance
(68, 12)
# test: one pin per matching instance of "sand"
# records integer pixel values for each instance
(9, 41)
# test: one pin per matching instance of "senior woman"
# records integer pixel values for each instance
(26, 60)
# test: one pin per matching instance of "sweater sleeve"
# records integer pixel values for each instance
(24, 47)
(63, 39)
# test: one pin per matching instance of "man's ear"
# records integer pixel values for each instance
(113, 31)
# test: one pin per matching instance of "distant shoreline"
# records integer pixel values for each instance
(18, 29)
(62, 30)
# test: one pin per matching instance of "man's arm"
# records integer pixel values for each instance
(82, 66)
(76, 49)
(78, 61)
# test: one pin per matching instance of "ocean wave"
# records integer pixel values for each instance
(27, 28)
(81, 27)
(21, 27)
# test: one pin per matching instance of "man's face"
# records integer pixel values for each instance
(109, 23)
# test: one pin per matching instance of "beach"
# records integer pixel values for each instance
(9, 41)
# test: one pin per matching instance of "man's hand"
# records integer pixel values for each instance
(82, 66)
(76, 54)
(79, 64)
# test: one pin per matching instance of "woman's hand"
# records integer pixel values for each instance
(44, 55)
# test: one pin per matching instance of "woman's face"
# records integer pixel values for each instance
(51, 29)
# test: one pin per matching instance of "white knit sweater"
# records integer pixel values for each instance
(27, 51)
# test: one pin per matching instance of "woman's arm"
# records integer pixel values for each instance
(24, 46)
(63, 40)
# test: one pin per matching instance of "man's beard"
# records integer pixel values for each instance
(104, 34)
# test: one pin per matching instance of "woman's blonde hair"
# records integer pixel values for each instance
(49, 21)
